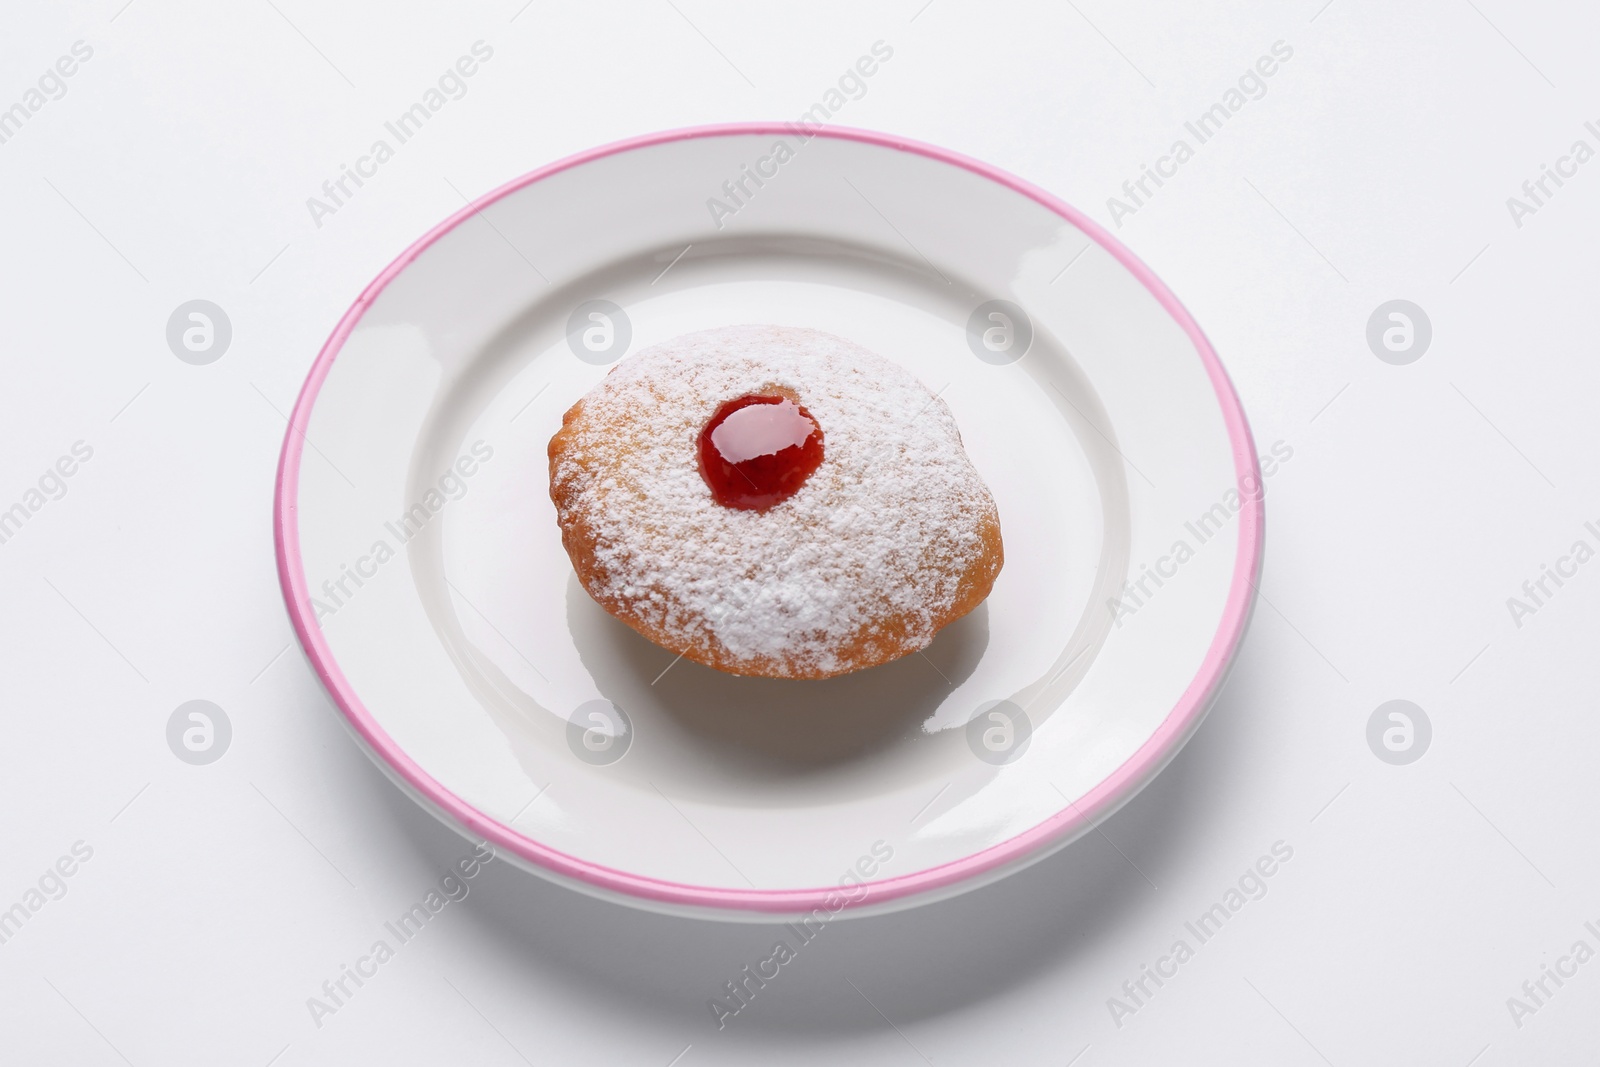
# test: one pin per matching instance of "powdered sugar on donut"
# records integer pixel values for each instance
(886, 528)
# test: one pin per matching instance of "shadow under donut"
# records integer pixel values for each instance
(777, 725)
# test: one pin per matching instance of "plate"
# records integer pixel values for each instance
(424, 573)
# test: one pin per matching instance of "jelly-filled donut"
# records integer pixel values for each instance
(773, 501)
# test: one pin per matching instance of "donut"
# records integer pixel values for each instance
(773, 501)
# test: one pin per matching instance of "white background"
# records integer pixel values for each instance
(1419, 498)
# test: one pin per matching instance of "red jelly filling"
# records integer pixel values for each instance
(758, 451)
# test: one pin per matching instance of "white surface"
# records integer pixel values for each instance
(222, 897)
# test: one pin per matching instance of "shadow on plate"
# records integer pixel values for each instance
(776, 725)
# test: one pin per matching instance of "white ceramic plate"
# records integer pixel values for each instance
(425, 576)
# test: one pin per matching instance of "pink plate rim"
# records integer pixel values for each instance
(1066, 824)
